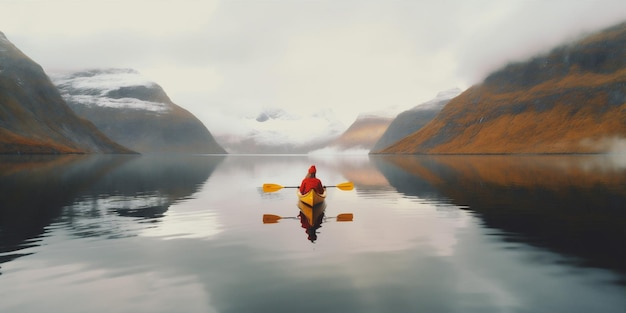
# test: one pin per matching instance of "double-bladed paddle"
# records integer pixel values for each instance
(271, 218)
(275, 187)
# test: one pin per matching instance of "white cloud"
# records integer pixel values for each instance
(178, 81)
(349, 68)
(338, 151)
(293, 129)
(87, 18)
(516, 30)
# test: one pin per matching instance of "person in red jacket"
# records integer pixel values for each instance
(311, 182)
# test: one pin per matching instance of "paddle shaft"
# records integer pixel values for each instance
(271, 218)
(299, 186)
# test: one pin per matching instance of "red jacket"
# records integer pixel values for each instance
(311, 183)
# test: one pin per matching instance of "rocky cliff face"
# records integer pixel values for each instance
(34, 118)
(135, 112)
(571, 100)
(412, 120)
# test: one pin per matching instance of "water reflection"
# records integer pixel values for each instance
(87, 194)
(310, 218)
(573, 205)
(404, 251)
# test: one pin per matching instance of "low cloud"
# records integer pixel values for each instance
(615, 149)
(612, 145)
(339, 151)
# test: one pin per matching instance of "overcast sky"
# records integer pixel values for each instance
(222, 60)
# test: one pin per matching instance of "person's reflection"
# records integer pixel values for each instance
(311, 218)
(311, 229)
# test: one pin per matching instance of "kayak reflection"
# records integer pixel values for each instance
(311, 218)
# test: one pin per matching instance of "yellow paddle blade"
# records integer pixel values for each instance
(270, 218)
(345, 217)
(346, 186)
(271, 187)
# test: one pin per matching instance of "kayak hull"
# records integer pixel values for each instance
(312, 198)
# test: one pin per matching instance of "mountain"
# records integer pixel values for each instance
(34, 118)
(134, 111)
(570, 100)
(274, 130)
(362, 134)
(412, 120)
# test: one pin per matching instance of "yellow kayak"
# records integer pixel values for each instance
(312, 198)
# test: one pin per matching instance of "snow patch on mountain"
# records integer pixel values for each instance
(92, 88)
(274, 129)
(279, 126)
(339, 151)
(122, 103)
(274, 114)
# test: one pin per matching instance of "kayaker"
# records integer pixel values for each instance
(311, 182)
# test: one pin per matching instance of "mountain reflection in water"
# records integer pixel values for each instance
(573, 205)
(84, 192)
(417, 233)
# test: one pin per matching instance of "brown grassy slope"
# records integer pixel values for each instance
(572, 100)
(11, 143)
(363, 133)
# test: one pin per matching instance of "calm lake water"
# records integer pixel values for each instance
(428, 234)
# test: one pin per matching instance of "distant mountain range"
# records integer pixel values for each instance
(570, 100)
(412, 120)
(274, 130)
(34, 118)
(134, 112)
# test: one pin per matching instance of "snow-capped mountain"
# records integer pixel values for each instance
(111, 89)
(134, 111)
(275, 130)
